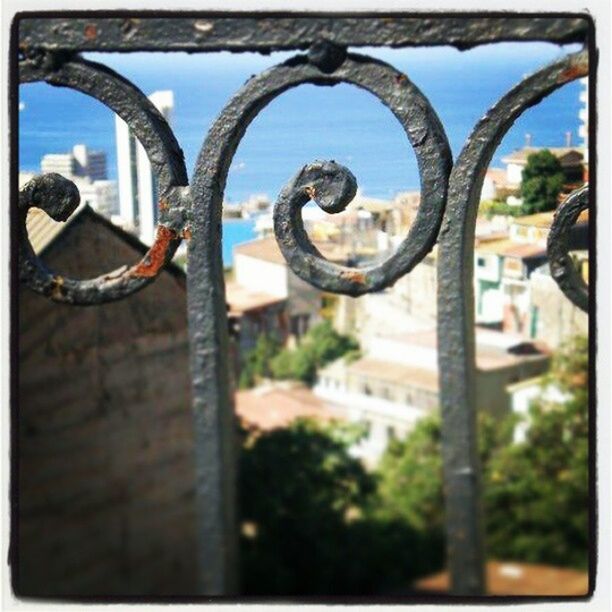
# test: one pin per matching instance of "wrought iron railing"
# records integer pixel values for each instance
(46, 48)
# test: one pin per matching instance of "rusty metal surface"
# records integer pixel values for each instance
(456, 348)
(450, 197)
(265, 33)
(562, 268)
(59, 197)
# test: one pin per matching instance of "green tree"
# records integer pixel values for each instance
(321, 345)
(410, 472)
(306, 526)
(535, 492)
(257, 362)
(541, 183)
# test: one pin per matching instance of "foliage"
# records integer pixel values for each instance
(257, 362)
(535, 492)
(321, 345)
(306, 528)
(410, 472)
(410, 477)
(490, 208)
(542, 182)
(315, 522)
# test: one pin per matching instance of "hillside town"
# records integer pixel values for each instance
(520, 313)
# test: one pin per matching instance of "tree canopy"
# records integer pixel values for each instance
(535, 492)
(257, 362)
(307, 527)
(320, 345)
(542, 182)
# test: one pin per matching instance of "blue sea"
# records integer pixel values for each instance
(236, 231)
(309, 122)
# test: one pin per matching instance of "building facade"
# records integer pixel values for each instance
(138, 189)
(396, 382)
(105, 453)
(80, 162)
(259, 267)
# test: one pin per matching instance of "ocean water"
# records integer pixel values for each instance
(235, 231)
(308, 122)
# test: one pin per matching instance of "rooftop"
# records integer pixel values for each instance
(42, 229)
(494, 349)
(570, 156)
(545, 219)
(267, 249)
(395, 373)
(242, 300)
(510, 248)
(278, 405)
(497, 175)
(519, 579)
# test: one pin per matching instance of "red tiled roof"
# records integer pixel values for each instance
(511, 248)
(509, 578)
(274, 407)
(267, 249)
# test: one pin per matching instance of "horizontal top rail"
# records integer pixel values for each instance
(265, 33)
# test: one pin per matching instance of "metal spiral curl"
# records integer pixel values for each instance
(328, 183)
(59, 197)
(562, 268)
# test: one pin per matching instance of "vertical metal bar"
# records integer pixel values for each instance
(456, 333)
(215, 433)
(456, 350)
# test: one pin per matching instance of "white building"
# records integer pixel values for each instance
(100, 195)
(138, 190)
(260, 267)
(87, 170)
(396, 382)
(61, 163)
(80, 162)
(571, 159)
(523, 394)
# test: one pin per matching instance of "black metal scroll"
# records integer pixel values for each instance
(59, 197)
(562, 267)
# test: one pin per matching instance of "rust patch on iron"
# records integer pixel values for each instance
(573, 72)
(354, 276)
(90, 31)
(57, 291)
(154, 260)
